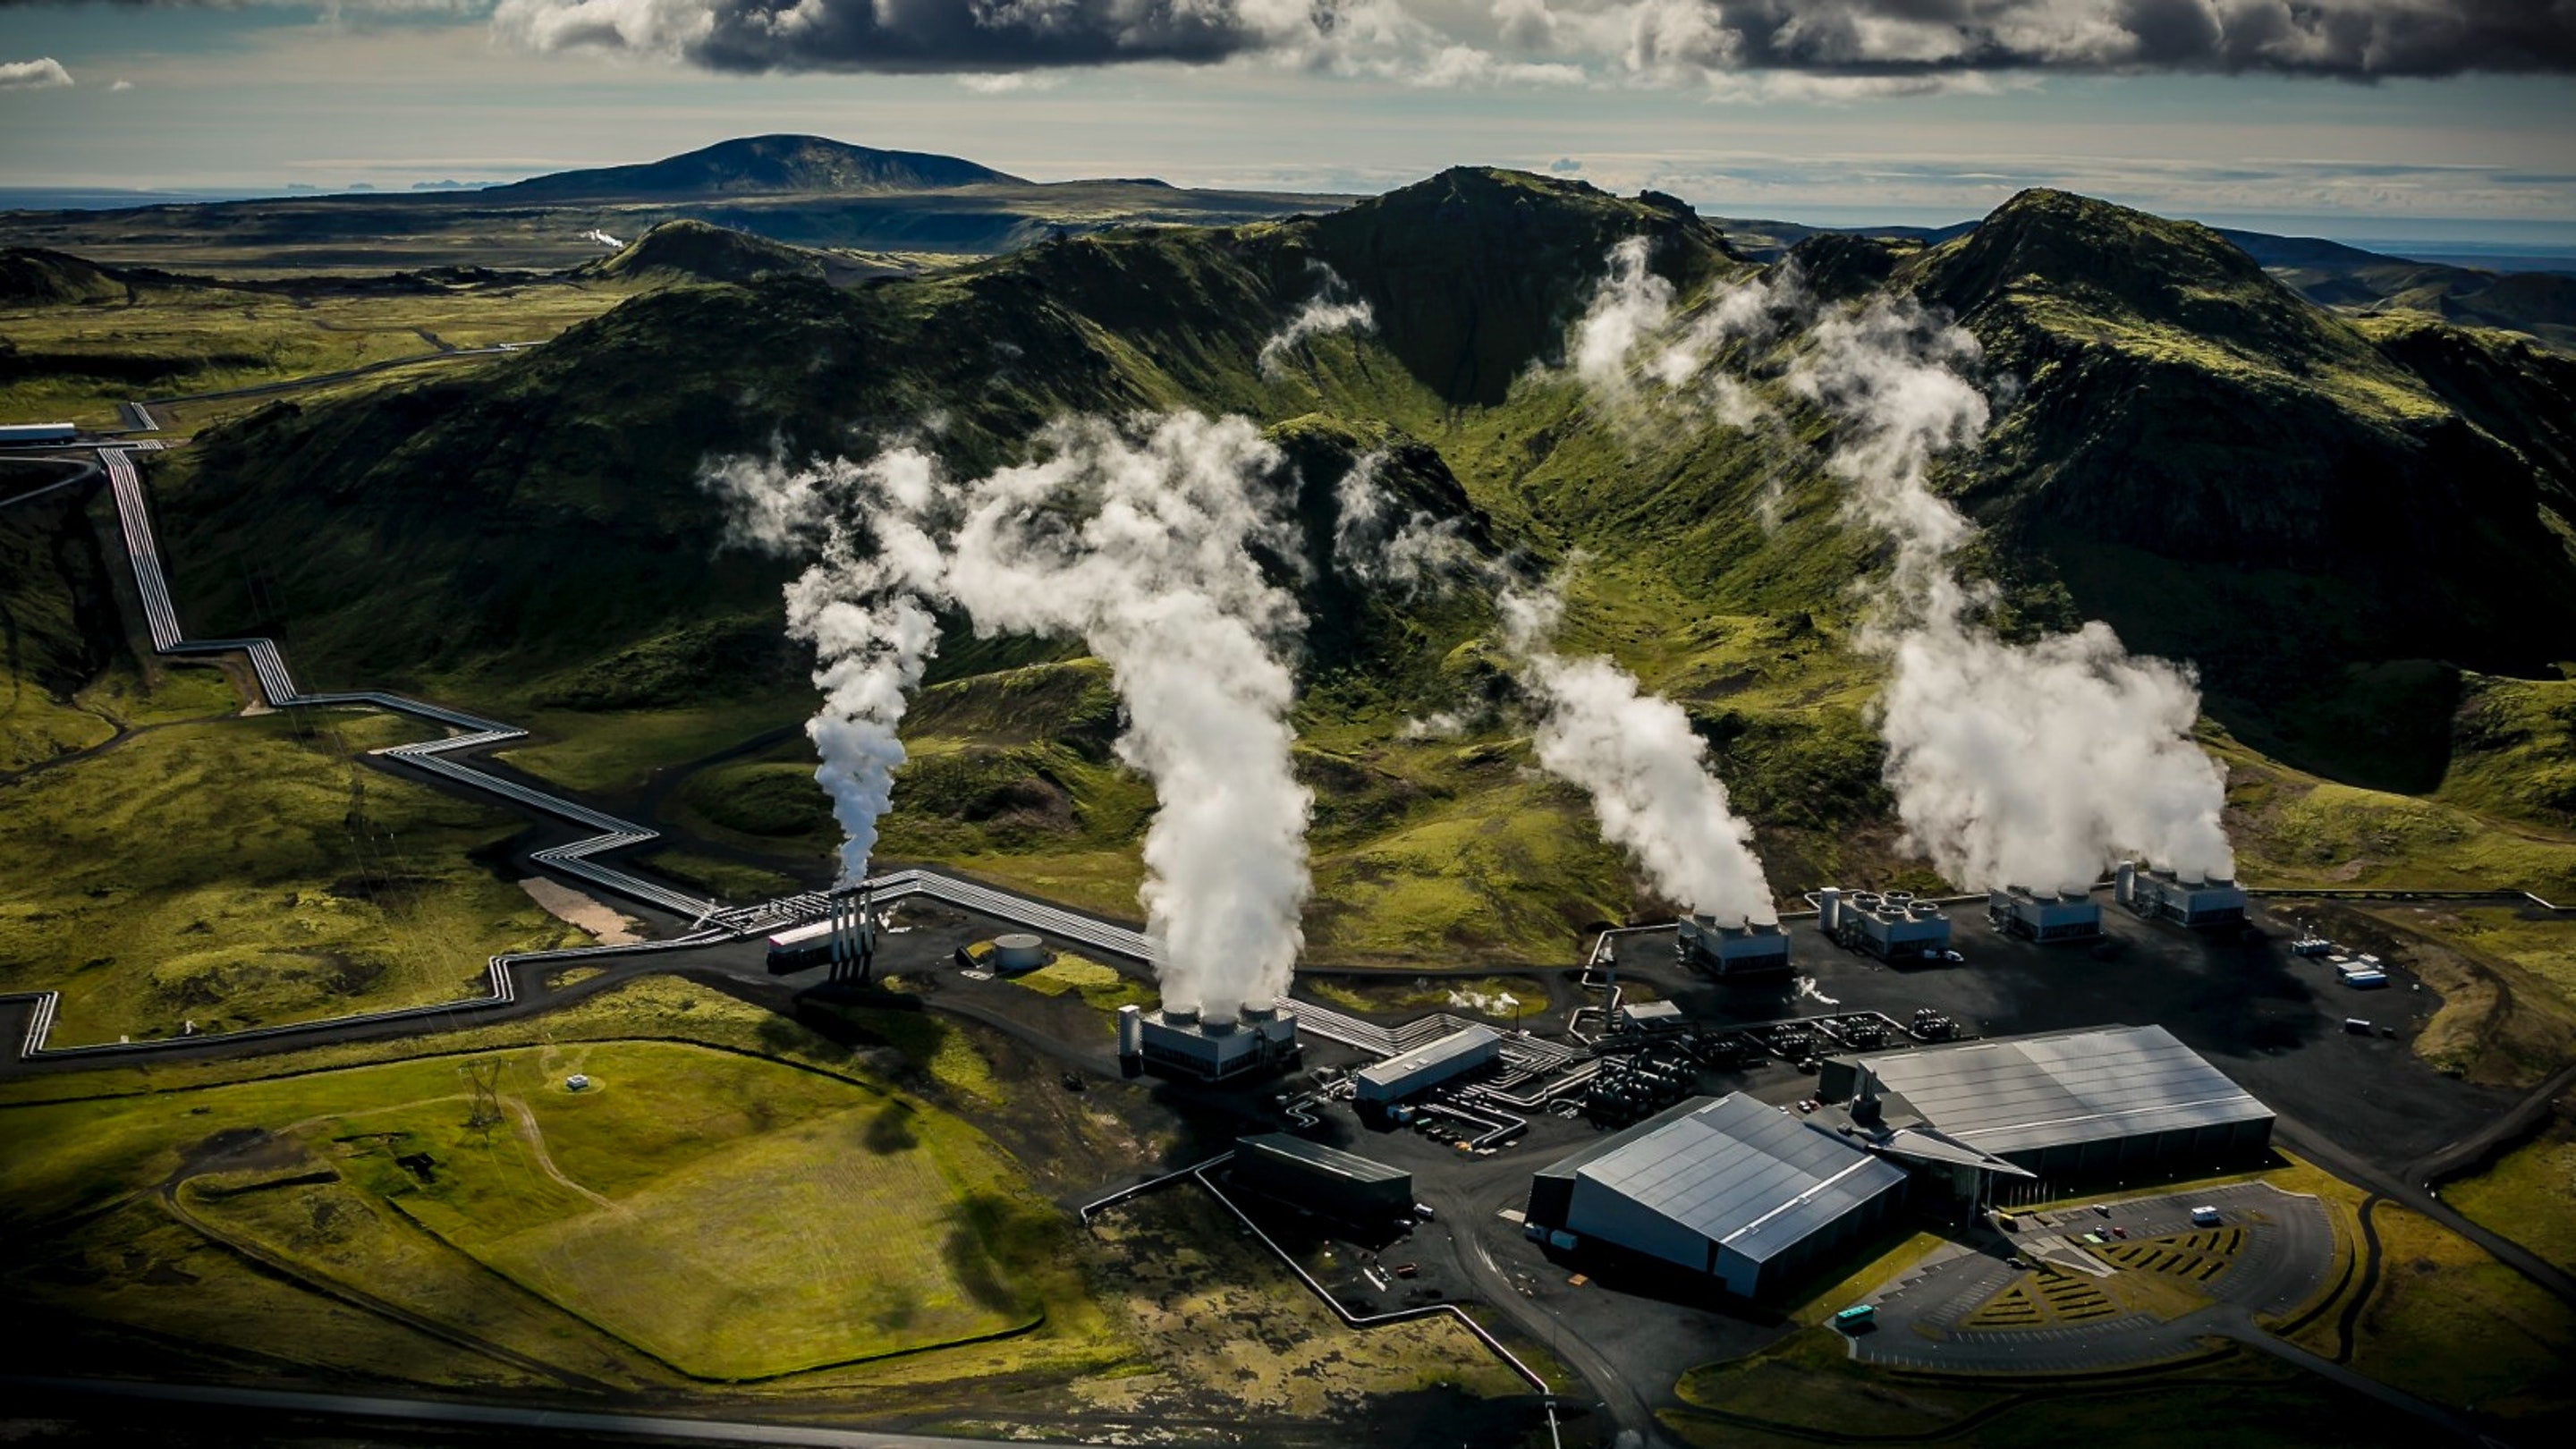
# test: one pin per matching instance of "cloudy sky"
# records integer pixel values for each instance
(2448, 119)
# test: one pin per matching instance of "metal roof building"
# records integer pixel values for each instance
(2125, 1098)
(1323, 1179)
(1728, 1187)
(1426, 1066)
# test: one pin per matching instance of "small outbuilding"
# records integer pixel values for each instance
(1410, 1074)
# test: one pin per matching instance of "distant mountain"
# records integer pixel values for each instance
(757, 166)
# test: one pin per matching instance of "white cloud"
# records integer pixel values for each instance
(42, 74)
(122, 85)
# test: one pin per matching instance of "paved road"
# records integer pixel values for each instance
(426, 1412)
(1625, 1405)
(2408, 1190)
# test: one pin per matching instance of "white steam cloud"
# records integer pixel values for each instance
(861, 607)
(1646, 769)
(1141, 542)
(1630, 352)
(1144, 542)
(1330, 310)
(2026, 764)
(1375, 546)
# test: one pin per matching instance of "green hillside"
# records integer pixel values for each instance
(2333, 523)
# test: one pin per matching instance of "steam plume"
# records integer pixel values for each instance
(1635, 357)
(1140, 541)
(861, 608)
(1646, 770)
(1374, 546)
(1331, 309)
(2028, 764)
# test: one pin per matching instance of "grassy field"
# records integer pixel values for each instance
(1192, 1282)
(247, 871)
(169, 340)
(1100, 987)
(2454, 1326)
(2528, 1195)
(730, 1217)
(721, 1210)
(615, 751)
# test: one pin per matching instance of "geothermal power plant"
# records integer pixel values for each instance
(1740, 1102)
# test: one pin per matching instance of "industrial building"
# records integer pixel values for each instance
(2044, 916)
(1744, 949)
(1891, 927)
(1176, 1041)
(1323, 1180)
(1727, 1187)
(36, 435)
(2163, 895)
(2124, 1100)
(1410, 1074)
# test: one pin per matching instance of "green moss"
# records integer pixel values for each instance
(246, 872)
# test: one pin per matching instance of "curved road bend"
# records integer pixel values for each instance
(1619, 1399)
(426, 1412)
(2406, 1188)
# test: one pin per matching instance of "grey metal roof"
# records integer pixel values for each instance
(1574, 1162)
(1332, 1160)
(1465, 1041)
(2018, 1094)
(1746, 1175)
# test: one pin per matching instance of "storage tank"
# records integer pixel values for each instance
(1829, 909)
(1131, 1032)
(1019, 951)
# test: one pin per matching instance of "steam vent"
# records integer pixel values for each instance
(1178, 1043)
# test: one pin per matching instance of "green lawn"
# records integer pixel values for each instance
(248, 871)
(732, 1217)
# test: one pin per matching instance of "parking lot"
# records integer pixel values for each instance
(2147, 1285)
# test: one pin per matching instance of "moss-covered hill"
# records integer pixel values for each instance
(2331, 521)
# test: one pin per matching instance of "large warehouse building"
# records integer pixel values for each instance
(1731, 1188)
(2126, 1101)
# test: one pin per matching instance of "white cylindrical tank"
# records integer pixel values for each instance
(2124, 883)
(1019, 951)
(1131, 1031)
(1829, 908)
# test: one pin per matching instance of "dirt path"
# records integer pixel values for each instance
(535, 1137)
